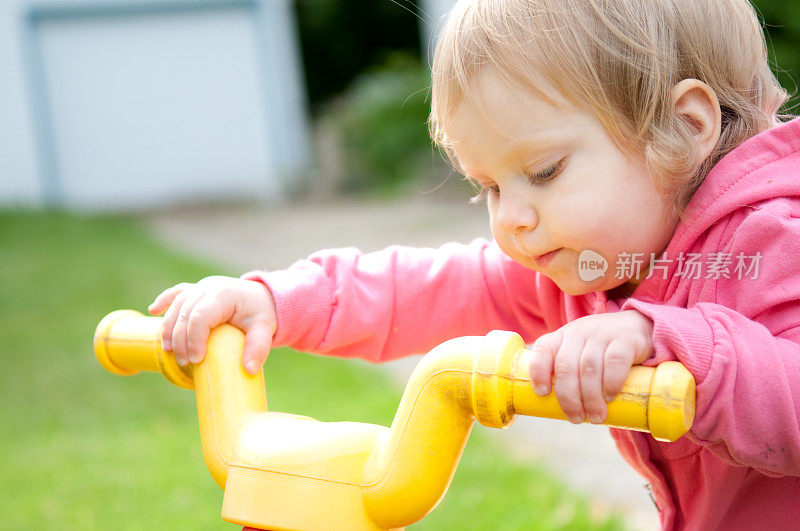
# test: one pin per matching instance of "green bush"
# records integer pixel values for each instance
(381, 121)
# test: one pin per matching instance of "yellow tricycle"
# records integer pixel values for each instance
(282, 471)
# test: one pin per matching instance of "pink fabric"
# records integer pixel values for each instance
(739, 466)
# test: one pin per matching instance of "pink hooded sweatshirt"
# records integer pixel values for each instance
(735, 324)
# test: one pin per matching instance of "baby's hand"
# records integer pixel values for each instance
(195, 309)
(590, 359)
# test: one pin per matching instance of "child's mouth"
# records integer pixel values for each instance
(545, 259)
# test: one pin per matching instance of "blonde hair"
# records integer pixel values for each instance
(619, 58)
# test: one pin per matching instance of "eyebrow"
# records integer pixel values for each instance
(535, 142)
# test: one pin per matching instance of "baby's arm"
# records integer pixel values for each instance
(401, 300)
(745, 360)
(748, 382)
(376, 306)
(192, 310)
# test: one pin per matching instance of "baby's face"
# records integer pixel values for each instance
(558, 184)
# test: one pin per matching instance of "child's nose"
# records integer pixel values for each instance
(515, 215)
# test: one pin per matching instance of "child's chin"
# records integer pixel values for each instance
(577, 287)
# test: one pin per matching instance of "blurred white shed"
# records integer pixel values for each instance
(120, 104)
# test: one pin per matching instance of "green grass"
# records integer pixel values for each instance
(84, 449)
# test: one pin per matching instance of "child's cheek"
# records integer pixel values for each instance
(505, 243)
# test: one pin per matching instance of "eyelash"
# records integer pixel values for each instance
(539, 177)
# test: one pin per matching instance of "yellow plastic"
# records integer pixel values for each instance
(288, 472)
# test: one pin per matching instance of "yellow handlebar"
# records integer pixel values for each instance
(283, 471)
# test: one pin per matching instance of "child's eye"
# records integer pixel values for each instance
(547, 174)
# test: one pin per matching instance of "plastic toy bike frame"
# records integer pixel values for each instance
(285, 471)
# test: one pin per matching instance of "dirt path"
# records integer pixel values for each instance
(245, 238)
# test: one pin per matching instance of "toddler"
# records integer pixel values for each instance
(644, 201)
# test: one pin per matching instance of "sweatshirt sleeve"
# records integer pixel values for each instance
(745, 353)
(402, 300)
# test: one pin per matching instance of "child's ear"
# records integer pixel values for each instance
(697, 104)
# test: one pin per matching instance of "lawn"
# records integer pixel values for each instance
(84, 449)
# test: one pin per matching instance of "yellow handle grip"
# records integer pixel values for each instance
(659, 400)
(127, 342)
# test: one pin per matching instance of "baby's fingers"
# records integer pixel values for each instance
(168, 322)
(544, 352)
(257, 342)
(566, 377)
(616, 367)
(181, 329)
(591, 378)
(205, 315)
(165, 298)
